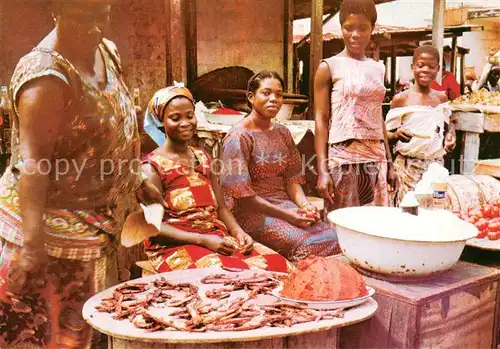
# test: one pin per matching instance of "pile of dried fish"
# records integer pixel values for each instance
(193, 314)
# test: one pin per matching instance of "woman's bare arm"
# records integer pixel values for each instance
(42, 106)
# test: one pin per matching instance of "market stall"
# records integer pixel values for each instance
(478, 117)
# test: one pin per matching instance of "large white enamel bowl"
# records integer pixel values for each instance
(385, 240)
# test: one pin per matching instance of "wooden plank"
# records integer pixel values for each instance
(466, 317)
(393, 326)
(316, 53)
(191, 42)
(458, 277)
(492, 122)
(469, 121)
(496, 332)
(320, 340)
(438, 30)
(470, 152)
(288, 46)
(117, 343)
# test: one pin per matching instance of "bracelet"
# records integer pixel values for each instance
(306, 204)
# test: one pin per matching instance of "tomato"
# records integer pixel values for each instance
(472, 219)
(486, 210)
(481, 224)
(482, 234)
(495, 212)
(476, 213)
(494, 227)
(493, 236)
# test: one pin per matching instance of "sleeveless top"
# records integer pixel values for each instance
(356, 99)
(98, 146)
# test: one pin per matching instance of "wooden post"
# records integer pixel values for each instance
(470, 153)
(316, 53)
(168, 44)
(462, 74)
(191, 42)
(288, 47)
(438, 30)
(393, 68)
(453, 66)
(376, 52)
(176, 41)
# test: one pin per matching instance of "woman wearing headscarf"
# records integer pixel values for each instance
(198, 230)
(73, 178)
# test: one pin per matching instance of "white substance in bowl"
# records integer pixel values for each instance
(390, 222)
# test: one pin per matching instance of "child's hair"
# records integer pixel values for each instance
(256, 79)
(429, 49)
(358, 7)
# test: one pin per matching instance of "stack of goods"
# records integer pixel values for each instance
(482, 100)
(324, 279)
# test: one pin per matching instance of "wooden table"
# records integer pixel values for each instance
(322, 334)
(457, 309)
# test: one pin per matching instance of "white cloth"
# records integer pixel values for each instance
(421, 121)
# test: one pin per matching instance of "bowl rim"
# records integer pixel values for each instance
(398, 239)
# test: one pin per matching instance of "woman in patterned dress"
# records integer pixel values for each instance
(353, 155)
(198, 229)
(262, 177)
(63, 199)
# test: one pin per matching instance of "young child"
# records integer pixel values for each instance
(419, 123)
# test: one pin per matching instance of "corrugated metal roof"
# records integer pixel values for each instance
(387, 29)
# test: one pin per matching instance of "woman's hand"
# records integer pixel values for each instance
(217, 244)
(148, 194)
(245, 241)
(392, 179)
(325, 187)
(450, 141)
(28, 272)
(299, 220)
(309, 211)
(403, 135)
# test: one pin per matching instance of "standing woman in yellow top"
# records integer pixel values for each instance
(353, 156)
(73, 178)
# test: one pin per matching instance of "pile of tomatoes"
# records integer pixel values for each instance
(485, 218)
